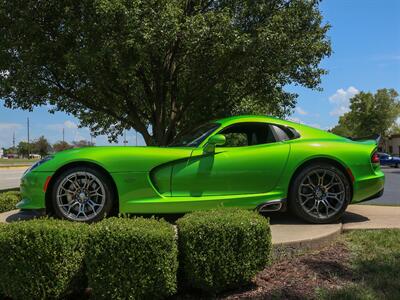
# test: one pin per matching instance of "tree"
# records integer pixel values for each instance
(10, 150)
(41, 146)
(61, 146)
(82, 143)
(160, 67)
(23, 149)
(370, 114)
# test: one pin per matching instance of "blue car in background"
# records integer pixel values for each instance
(388, 160)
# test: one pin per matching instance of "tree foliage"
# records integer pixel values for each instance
(159, 67)
(41, 146)
(23, 149)
(61, 146)
(82, 143)
(370, 114)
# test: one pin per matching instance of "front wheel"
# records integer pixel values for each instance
(320, 193)
(82, 194)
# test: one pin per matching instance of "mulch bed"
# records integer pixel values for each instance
(298, 277)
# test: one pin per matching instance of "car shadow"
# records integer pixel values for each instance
(350, 217)
(23, 215)
(275, 218)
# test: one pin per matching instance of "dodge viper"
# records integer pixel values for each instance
(252, 162)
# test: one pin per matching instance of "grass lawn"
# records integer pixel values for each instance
(16, 161)
(375, 264)
(358, 265)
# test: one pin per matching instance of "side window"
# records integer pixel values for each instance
(248, 134)
(236, 139)
(280, 133)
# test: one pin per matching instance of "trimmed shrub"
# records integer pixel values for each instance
(9, 200)
(132, 259)
(42, 259)
(222, 249)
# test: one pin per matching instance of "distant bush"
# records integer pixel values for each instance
(222, 249)
(42, 259)
(9, 200)
(132, 259)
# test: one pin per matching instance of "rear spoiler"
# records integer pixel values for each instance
(374, 137)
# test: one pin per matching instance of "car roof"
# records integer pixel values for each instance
(251, 118)
(304, 130)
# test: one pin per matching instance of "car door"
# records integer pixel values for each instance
(251, 162)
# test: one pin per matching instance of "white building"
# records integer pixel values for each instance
(394, 144)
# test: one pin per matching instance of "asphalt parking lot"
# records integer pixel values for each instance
(391, 196)
(10, 177)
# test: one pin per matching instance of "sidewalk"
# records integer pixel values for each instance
(371, 217)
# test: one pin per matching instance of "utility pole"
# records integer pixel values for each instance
(63, 136)
(125, 141)
(29, 154)
(14, 140)
(136, 137)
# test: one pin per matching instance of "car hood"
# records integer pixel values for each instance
(118, 159)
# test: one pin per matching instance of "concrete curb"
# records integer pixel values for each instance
(15, 166)
(291, 248)
(9, 189)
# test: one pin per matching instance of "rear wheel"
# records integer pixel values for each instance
(82, 194)
(320, 193)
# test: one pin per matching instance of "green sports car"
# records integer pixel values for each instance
(252, 162)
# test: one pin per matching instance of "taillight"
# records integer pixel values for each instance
(375, 158)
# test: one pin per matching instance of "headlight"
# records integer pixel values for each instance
(38, 163)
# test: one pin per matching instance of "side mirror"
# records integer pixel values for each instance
(215, 140)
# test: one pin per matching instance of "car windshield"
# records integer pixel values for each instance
(195, 137)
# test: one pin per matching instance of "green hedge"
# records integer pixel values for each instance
(132, 259)
(41, 259)
(222, 249)
(8, 200)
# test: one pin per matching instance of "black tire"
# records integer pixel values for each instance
(319, 193)
(99, 205)
(396, 166)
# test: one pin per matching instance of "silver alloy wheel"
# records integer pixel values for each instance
(322, 193)
(81, 196)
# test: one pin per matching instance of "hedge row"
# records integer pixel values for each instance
(9, 200)
(121, 258)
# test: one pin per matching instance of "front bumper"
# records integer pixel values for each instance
(32, 190)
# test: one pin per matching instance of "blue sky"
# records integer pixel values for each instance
(365, 38)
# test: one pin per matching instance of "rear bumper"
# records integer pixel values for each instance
(377, 195)
(369, 187)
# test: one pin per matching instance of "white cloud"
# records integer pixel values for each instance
(10, 126)
(296, 120)
(341, 100)
(70, 124)
(301, 111)
(58, 127)
(300, 121)
(6, 133)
